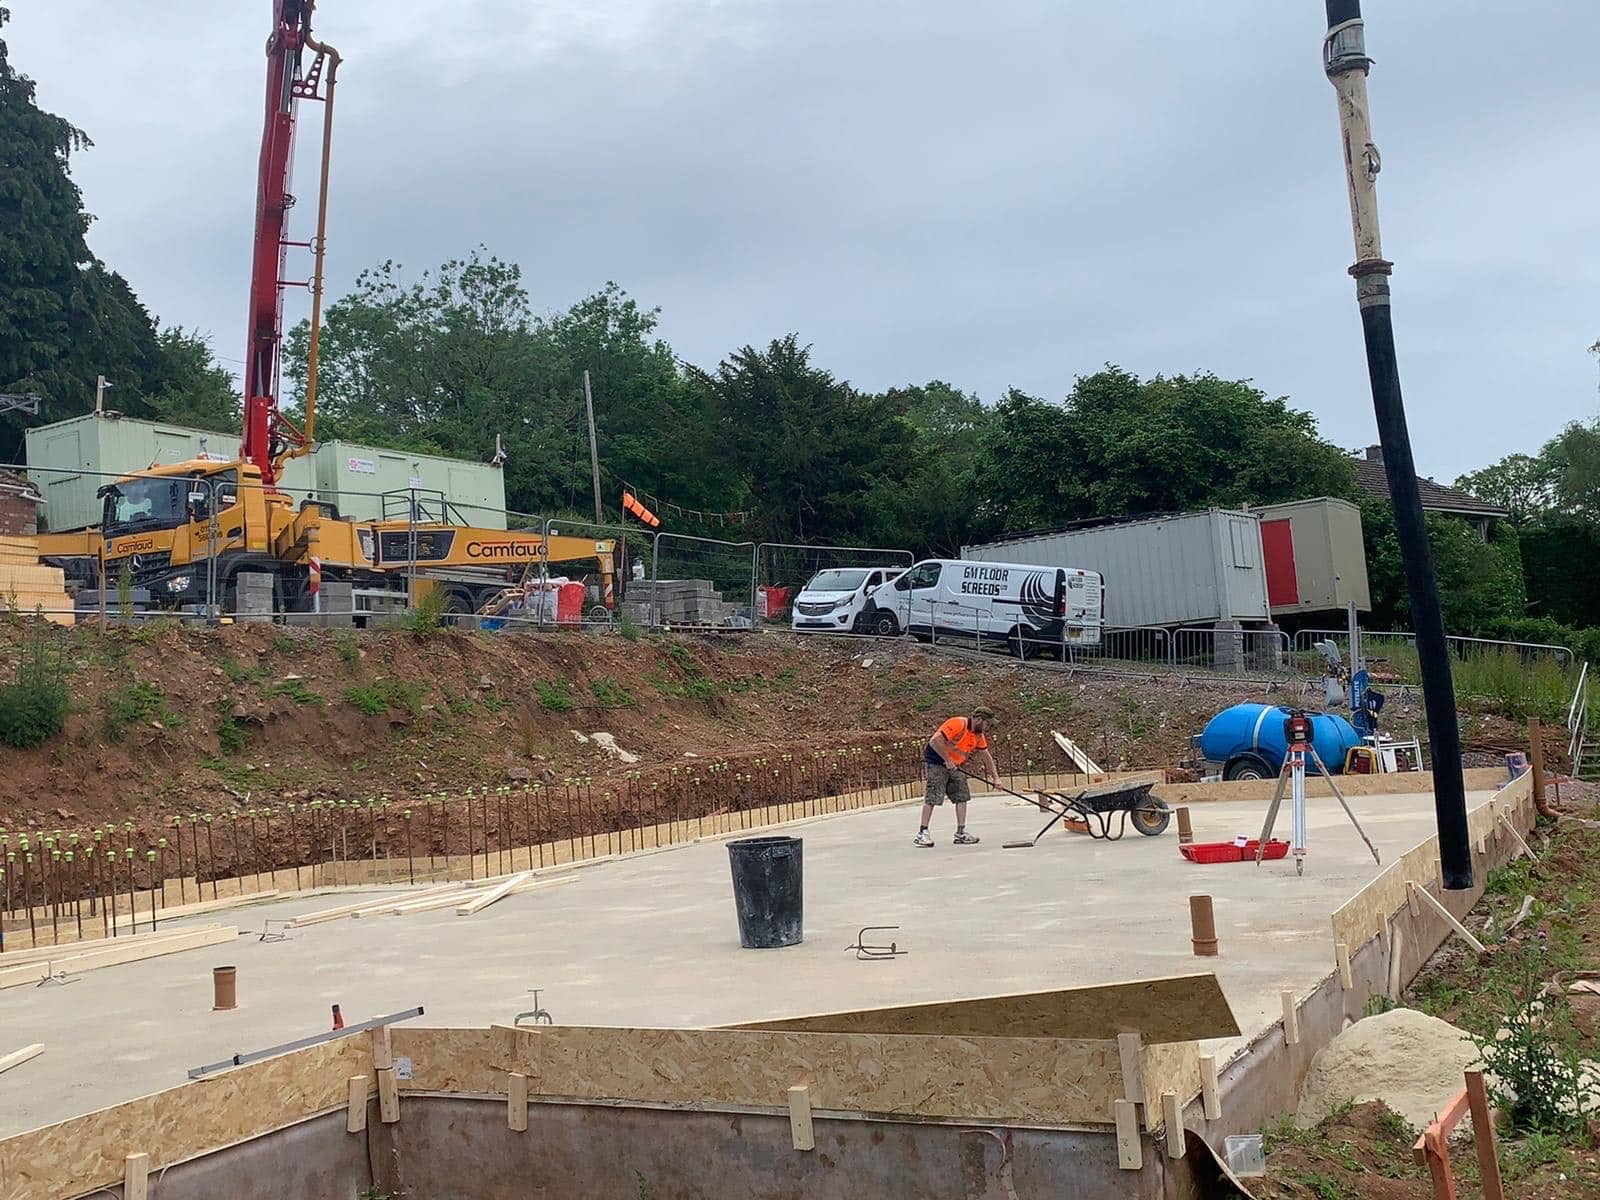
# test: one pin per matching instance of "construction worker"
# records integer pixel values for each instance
(952, 744)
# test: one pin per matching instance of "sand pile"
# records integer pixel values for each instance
(1407, 1059)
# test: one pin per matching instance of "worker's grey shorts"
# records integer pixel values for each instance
(944, 782)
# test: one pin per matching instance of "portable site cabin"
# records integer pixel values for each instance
(70, 460)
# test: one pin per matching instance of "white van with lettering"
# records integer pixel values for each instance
(1033, 610)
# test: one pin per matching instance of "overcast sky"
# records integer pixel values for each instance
(1011, 193)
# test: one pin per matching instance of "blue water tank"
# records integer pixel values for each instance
(1258, 729)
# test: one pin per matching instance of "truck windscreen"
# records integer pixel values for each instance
(146, 504)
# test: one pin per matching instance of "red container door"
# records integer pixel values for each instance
(1277, 545)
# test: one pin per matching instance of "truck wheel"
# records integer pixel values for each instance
(1247, 766)
(456, 604)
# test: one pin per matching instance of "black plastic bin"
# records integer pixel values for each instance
(767, 890)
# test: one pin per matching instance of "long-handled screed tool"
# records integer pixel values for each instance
(1094, 807)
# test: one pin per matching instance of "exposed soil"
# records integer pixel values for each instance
(1365, 1152)
(169, 720)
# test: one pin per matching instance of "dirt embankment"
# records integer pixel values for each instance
(168, 720)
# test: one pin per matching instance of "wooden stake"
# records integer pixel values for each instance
(1341, 955)
(388, 1096)
(1210, 1096)
(136, 1177)
(1130, 1050)
(1517, 837)
(1465, 934)
(1291, 1020)
(800, 1130)
(1172, 1111)
(356, 1115)
(517, 1102)
(382, 1052)
(1536, 764)
(1130, 1156)
(1483, 1136)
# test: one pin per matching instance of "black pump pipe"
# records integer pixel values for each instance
(1346, 63)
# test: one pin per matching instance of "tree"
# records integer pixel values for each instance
(1119, 446)
(810, 449)
(1522, 484)
(192, 389)
(934, 508)
(1480, 583)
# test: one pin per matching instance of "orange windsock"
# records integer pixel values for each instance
(632, 506)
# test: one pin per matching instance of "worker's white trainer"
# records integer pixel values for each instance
(967, 839)
(923, 838)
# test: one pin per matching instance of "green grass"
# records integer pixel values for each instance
(296, 690)
(232, 736)
(348, 647)
(385, 695)
(132, 703)
(237, 672)
(608, 693)
(554, 696)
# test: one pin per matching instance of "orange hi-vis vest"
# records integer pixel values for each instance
(963, 742)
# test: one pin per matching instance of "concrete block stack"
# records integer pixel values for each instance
(690, 602)
(254, 591)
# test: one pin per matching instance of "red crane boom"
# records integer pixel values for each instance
(269, 437)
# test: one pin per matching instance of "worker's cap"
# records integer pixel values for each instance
(985, 712)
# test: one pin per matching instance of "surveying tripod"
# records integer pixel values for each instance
(1297, 733)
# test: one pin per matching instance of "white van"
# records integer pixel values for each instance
(1033, 609)
(837, 600)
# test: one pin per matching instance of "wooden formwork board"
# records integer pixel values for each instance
(1181, 1008)
(1389, 784)
(1360, 918)
(80, 1155)
(68, 950)
(1038, 1081)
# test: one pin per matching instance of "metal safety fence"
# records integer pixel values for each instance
(851, 589)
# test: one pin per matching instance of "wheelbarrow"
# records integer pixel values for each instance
(1102, 812)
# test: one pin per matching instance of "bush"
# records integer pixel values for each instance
(33, 708)
(1532, 1061)
(428, 616)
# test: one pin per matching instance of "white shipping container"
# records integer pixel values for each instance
(1185, 569)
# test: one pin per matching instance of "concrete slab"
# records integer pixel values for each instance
(653, 941)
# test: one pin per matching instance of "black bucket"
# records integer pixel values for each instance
(767, 891)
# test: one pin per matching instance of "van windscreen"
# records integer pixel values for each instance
(838, 580)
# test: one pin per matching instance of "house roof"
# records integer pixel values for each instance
(1435, 496)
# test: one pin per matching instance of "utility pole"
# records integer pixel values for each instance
(594, 450)
(1344, 57)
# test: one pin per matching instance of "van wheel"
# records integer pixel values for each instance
(1019, 645)
(882, 624)
(1247, 766)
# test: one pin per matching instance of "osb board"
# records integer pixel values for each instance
(1037, 1080)
(474, 1061)
(1181, 1008)
(1397, 783)
(85, 1153)
(1358, 919)
(1174, 1067)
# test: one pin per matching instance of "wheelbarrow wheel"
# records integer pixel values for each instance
(1151, 816)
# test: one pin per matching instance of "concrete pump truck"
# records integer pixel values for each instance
(186, 531)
